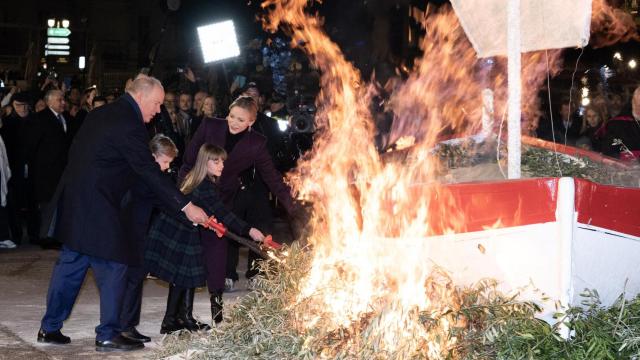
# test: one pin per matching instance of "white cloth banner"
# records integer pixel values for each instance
(545, 24)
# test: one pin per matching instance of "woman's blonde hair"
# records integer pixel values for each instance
(199, 172)
(247, 103)
(163, 145)
(214, 106)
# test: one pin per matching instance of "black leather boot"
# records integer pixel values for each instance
(216, 306)
(171, 321)
(185, 315)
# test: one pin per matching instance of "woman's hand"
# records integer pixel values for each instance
(256, 234)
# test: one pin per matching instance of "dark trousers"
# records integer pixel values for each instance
(22, 210)
(66, 281)
(252, 205)
(214, 250)
(45, 226)
(132, 298)
(4, 223)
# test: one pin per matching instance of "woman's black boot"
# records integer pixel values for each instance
(171, 322)
(186, 313)
(216, 306)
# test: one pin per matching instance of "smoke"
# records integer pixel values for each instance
(610, 25)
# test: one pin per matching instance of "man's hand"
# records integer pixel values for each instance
(195, 214)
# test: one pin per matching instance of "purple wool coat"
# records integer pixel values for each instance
(251, 150)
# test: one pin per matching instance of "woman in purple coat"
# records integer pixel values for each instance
(247, 154)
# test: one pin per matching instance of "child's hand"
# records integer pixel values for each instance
(256, 235)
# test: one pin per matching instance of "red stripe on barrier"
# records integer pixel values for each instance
(471, 207)
(610, 207)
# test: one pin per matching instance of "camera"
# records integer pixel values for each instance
(303, 119)
(302, 112)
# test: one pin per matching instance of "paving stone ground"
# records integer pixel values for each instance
(24, 279)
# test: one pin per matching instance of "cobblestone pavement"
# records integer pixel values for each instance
(24, 279)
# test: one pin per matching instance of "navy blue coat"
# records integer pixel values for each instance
(109, 154)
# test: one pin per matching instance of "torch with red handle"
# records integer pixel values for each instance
(221, 230)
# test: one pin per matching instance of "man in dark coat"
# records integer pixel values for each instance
(107, 157)
(20, 201)
(48, 147)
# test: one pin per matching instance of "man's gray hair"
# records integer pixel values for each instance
(51, 93)
(144, 84)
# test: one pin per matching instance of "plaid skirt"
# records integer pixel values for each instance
(173, 252)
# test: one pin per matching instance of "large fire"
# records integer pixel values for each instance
(368, 213)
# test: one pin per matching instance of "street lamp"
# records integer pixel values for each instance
(65, 23)
(51, 22)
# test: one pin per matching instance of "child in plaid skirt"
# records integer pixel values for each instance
(174, 251)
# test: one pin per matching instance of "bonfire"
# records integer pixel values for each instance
(360, 287)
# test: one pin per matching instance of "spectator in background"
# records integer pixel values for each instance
(98, 101)
(622, 132)
(615, 104)
(47, 147)
(592, 130)
(86, 104)
(170, 100)
(73, 109)
(186, 122)
(198, 98)
(264, 124)
(5, 175)
(20, 200)
(165, 123)
(39, 106)
(6, 111)
(208, 108)
(568, 123)
(74, 96)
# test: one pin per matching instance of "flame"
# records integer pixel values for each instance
(367, 266)
(611, 25)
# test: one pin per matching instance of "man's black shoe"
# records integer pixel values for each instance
(133, 334)
(54, 337)
(118, 343)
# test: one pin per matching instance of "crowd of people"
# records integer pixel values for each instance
(608, 124)
(82, 176)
